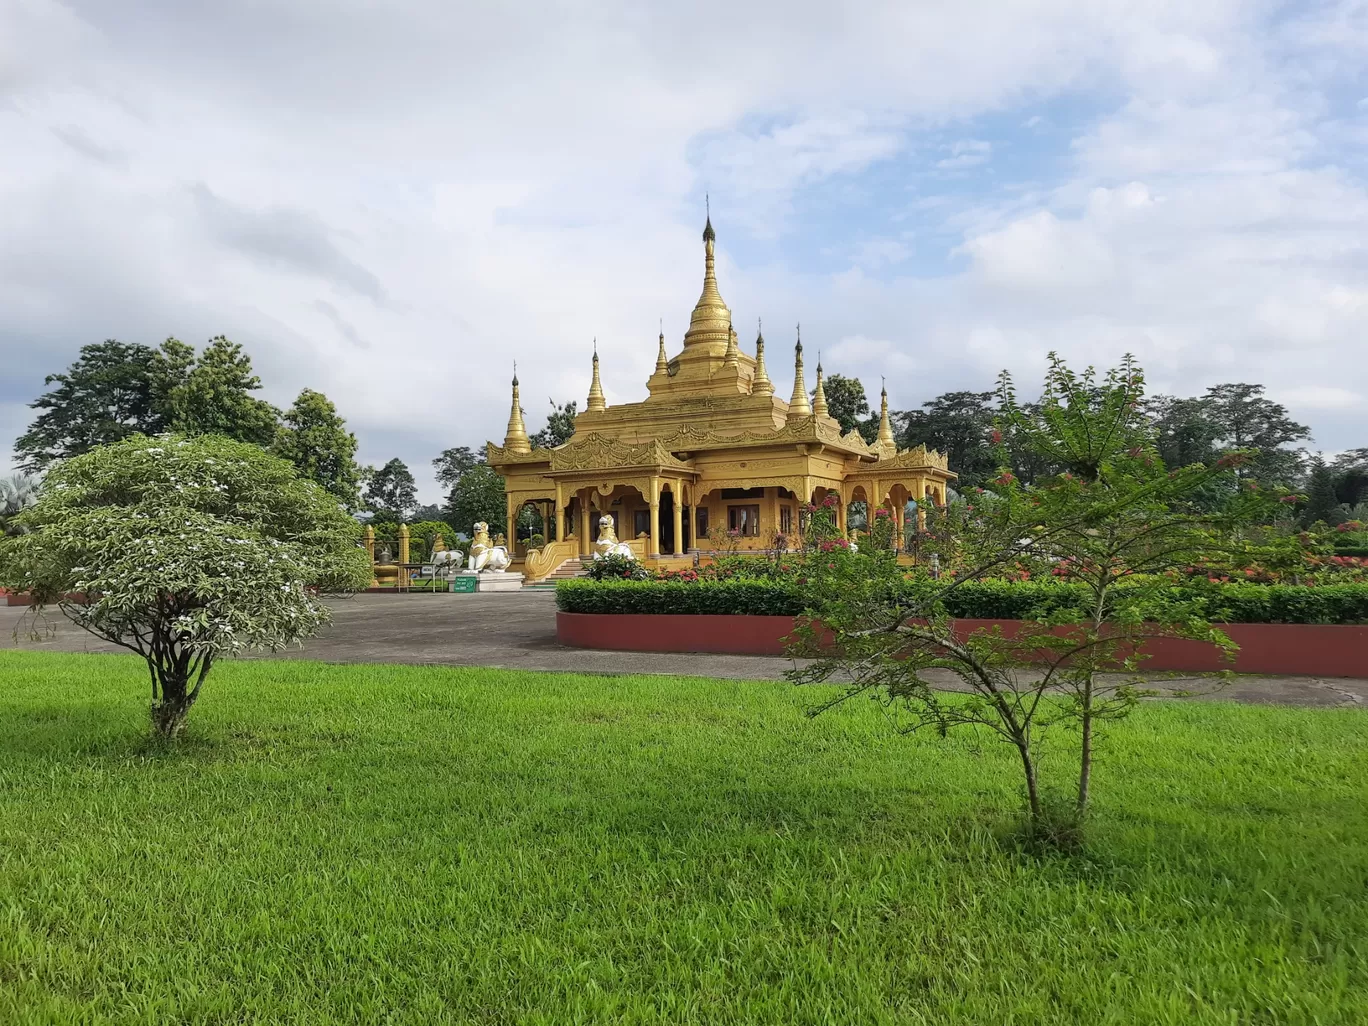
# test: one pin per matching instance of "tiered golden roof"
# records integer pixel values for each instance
(710, 429)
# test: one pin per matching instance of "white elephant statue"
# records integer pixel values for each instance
(486, 557)
(608, 544)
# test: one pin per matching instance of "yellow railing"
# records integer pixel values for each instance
(543, 561)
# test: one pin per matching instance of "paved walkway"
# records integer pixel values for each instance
(518, 631)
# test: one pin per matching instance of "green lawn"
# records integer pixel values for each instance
(397, 844)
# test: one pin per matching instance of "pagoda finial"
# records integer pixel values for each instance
(662, 362)
(708, 234)
(515, 438)
(710, 316)
(733, 356)
(761, 385)
(596, 401)
(799, 407)
(819, 402)
(885, 426)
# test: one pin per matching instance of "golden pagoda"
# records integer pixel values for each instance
(710, 449)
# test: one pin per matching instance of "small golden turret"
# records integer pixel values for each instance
(762, 384)
(515, 438)
(885, 427)
(662, 361)
(596, 402)
(799, 407)
(733, 356)
(819, 403)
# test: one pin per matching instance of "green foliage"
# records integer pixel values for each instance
(214, 396)
(736, 596)
(316, 440)
(498, 844)
(17, 493)
(1103, 515)
(616, 568)
(391, 491)
(1234, 602)
(452, 463)
(423, 535)
(560, 426)
(958, 424)
(1322, 504)
(477, 495)
(117, 389)
(846, 401)
(110, 392)
(184, 551)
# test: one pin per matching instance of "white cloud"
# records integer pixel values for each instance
(391, 203)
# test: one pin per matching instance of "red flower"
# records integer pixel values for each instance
(997, 436)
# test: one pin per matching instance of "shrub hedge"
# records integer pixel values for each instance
(987, 600)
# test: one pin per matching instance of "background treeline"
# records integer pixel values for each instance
(116, 389)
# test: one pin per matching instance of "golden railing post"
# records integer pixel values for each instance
(369, 542)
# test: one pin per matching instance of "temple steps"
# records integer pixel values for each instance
(569, 569)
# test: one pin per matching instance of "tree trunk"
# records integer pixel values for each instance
(171, 708)
(1085, 759)
(1032, 791)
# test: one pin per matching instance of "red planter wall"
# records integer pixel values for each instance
(1315, 650)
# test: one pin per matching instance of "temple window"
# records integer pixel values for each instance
(702, 522)
(745, 520)
(785, 520)
(641, 523)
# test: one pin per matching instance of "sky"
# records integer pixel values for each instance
(392, 202)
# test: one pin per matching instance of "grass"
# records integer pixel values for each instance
(423, 845)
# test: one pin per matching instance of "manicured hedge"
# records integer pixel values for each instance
(730, 597)
(986, 600)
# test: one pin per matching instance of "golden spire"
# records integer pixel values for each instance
(733, 350)
(885, 428)
(710, 320)
(798, 403)
(762, 384)
(662, 362)
(596, 402)
(819, 403)
(515, 438)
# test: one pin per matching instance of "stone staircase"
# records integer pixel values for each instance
(569, 569)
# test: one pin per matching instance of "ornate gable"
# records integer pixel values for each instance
(598, 452)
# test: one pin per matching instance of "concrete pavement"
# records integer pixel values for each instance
(518, 631)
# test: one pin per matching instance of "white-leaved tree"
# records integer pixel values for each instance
(184, 551)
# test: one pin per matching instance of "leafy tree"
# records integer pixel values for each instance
(560, 425)
(1249, 420)
(846, 401)
(429, 512)
(186, 550)
(109, 393)
(1322, 504)
(454, 462)
(316, 440)
(214, 398)
(1109, 523)
(392, 491)
(17, 493)
(477, 495)
(958, 424)
(1351, 476)
(1185, 430)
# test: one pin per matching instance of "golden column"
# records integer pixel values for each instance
(585, 538)
(655, 518)
(512, 519)
(677, 501)
(369, 542)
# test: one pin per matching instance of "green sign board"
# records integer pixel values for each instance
(463, 584)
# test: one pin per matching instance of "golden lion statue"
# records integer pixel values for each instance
(608, 544)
